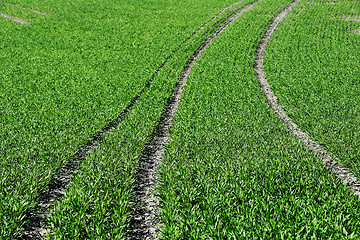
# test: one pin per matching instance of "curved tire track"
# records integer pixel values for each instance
(36, 227)
(144, 219)
(328, 162)
(15, 19)
(28, 9)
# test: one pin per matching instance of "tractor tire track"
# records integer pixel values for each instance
(15, 19)
(215, 17)
(328, 162)
(145, 212)
(36, 226)
(28, 9)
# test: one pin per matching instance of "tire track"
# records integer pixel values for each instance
(328, 162)
(28, 9)
(145, 212)
(215, 17)
(323, 3)
(36, 227)
(351, 19)
(15, 19)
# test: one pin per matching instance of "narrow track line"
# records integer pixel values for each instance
(28, 9)
(328, 162)
(351, 19)
(55, 190)
(215, 17)
(15, 19)
(144, 219)
(323, 3)
(40, 13)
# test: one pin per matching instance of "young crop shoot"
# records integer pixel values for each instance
(151, 119)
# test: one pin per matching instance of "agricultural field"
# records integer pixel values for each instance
(149, 119)
(317, 81)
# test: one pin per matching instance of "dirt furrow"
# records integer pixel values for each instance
(328, 162)
(145, 221)
(36, 227)
(15, 19)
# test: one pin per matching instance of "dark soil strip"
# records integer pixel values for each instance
(328, 162)
(36, 227)
(145, 215)
(15, 19)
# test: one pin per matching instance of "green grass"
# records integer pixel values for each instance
(312, 65)
(233, 170)
(66, 75)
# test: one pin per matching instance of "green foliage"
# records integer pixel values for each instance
(66, 75)
(312, 65)
(232, 170)
(118, 156)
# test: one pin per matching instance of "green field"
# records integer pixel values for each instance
(231, 168)
(317, 81)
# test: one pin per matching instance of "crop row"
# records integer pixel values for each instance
(65, 76)
(115, 163)
(232, 169)
(312, 65)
